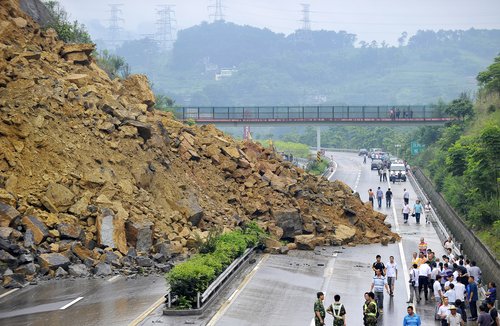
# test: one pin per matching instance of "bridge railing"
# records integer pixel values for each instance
(369, 113)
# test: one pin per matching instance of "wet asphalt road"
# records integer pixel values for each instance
(110, 301)
(283, 291)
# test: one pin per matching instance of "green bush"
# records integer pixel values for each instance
(195, 275)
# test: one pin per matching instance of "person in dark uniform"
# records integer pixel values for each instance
(337, 310)
(319, 310)
(370, 310)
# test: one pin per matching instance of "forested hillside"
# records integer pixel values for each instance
(317, 67)
(462, 158)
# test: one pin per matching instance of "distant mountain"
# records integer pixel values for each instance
(259, 67)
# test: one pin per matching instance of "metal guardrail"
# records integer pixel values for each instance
(215, 285)
(471, 245)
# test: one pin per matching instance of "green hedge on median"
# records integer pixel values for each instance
(196, 274)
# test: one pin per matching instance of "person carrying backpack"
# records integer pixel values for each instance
(338, 312)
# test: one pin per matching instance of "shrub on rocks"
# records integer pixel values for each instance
(195, 275)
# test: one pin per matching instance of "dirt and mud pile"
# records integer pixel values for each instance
(94, 180)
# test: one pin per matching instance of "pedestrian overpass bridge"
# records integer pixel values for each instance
(315, 115)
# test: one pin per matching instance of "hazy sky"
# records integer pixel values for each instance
(370, 19)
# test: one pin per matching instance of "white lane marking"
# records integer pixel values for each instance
(327, 274)
(8, 292)
(225, 306)
(71, 303)
(357, 181)
(114, 278)
(401, 251)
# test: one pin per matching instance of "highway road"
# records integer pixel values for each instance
(278, 290)
(283, 290)
(116, 300)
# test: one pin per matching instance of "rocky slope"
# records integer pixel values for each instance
(94, 180)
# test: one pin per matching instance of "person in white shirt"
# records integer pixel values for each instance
(438, 293)
(454, 318)
(450, 293)
(424, 272)
(459, 291)
(444, 311)
(475, 271)
(392, 274)
(413, 283)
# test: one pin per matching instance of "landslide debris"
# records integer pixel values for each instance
(94, 180)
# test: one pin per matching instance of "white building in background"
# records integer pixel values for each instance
(225, 73)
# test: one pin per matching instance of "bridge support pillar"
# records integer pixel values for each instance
(318, 138)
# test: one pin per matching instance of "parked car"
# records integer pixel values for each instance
(397, 172)
(363, 151)
(377, 164)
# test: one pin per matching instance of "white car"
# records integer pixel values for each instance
(398, 172)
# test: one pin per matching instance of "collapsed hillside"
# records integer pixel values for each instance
(93, 178)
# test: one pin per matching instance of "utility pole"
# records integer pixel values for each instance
(216, 13)
(114, 24)
(165, 27)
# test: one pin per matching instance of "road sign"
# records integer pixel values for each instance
(416, 148)
(318, 156)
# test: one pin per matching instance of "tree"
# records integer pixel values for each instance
(113, 65)
(69, 32)
(461, 107)
(490, 78)
(402, 39)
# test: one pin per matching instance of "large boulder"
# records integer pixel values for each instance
(81, 251)
(111, 231)
(140, 235)
(308, 241)
(7, 214)
(53, 261)
(60, 196)
(39, 230)
(138, 86)
(192, 208)
(102, 269)
(289, 220)
(343, 234)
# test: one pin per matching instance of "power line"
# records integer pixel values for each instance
(165, 27)
(216, 13)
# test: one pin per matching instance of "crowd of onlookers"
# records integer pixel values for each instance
(453, 283)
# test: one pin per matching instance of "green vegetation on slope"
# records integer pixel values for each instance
(322, 67)
(463, 161)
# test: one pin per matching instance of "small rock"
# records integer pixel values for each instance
(13, 281)
(40, 231)
(7, 214)
(78, 270)
(26, 269)
(60, 272)
(70, 231)
(53, 261)
(143, 261)
(5, 232)
(102, 269)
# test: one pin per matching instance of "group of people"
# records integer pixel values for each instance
(450, 282)
(396, 113)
